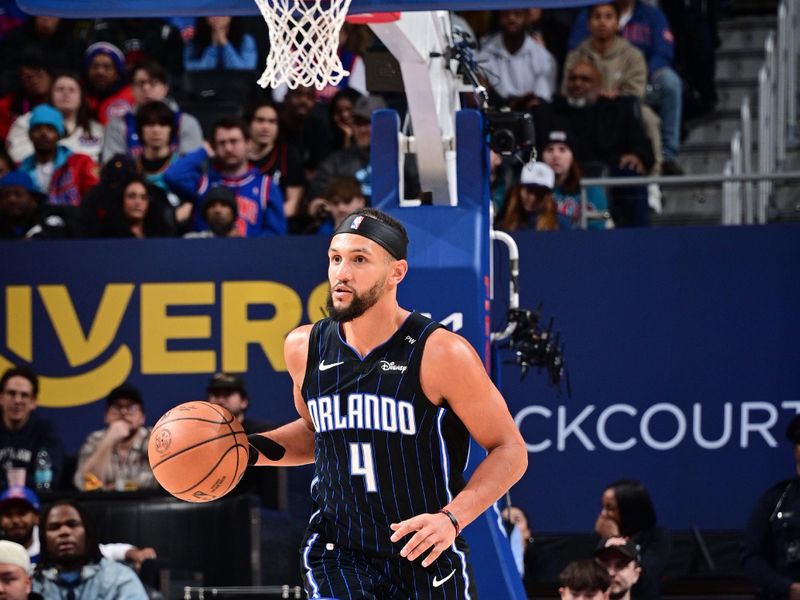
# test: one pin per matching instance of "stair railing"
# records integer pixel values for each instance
(746, 119)
(766, 125)
(732, 190)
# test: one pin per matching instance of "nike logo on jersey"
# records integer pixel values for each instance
(438, 582)
(324, 367)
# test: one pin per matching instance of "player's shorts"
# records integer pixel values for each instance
(330, 571)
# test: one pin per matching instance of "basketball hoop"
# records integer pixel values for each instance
(304, 39)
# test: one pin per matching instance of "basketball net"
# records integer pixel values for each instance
(304, 42)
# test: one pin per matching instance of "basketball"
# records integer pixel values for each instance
(198, 451)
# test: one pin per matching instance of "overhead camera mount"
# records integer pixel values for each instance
(533, 346)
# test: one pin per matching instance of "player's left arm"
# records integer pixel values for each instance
(453, 372)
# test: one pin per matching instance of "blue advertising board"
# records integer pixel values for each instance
(680, 346)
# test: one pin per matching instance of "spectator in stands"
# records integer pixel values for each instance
(218, 209)
(694, 23)
(51, 37)
(34, 88)
(229, 390)
(530, 205)
(220, 43)
(19, 521)
(72, 565)
(142, 40)
(646, 27)
(156, 128)
(622, 67)
(303, 130)
(15, 579)
(518, 70)
(274, 157)
(621, 558)
(355, 160)
(340, 113)
(100, 203)
(107, 89)
(550, 29)
(150, 84)
(771, 549)
(628, 511)
(534, 563)
(605, 133)
(22, 432)
(63, 175)
(82, 134)
(155, 148)
(343, 197)
(25, 213)
(259, 199)
(19, 518)
(143, 212)
(558, 156)
(115, 458)
(584, 580)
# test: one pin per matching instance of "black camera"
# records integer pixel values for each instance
(536, 347)
(510, 131)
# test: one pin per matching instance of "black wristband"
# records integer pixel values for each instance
(260, 444)
(453, 520)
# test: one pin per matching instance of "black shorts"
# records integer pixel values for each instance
(330, 571)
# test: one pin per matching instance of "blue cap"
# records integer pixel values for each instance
(21, 179)
(44, 114)
(19, 495)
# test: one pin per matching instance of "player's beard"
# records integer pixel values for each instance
(359, 304)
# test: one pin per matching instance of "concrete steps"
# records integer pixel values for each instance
(706, 148)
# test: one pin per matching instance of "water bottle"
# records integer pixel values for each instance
(43, 476)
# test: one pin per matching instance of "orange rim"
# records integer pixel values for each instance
(366, 18)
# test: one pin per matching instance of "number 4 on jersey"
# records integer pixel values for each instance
(361, 463)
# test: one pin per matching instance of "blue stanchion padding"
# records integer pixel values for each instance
(384, 158)
(449, 274)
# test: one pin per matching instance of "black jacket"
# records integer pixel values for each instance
(48, 222)
(599, 133)
(772, 531)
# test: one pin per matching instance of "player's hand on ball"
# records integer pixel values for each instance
(432, 531)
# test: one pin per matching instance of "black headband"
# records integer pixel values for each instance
(377, 231)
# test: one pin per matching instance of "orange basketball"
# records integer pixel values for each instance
(198, 451)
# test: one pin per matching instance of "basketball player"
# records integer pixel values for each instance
(387, 401)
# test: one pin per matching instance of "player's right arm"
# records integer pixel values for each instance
(296, 439)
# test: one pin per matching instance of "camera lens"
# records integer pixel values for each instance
(503, 141)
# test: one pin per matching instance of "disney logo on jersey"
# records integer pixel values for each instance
(393, 366)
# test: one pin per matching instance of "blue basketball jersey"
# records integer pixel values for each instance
(383, 451)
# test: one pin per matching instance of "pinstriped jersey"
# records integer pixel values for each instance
(383, 451)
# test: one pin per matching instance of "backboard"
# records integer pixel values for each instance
(88, 9)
